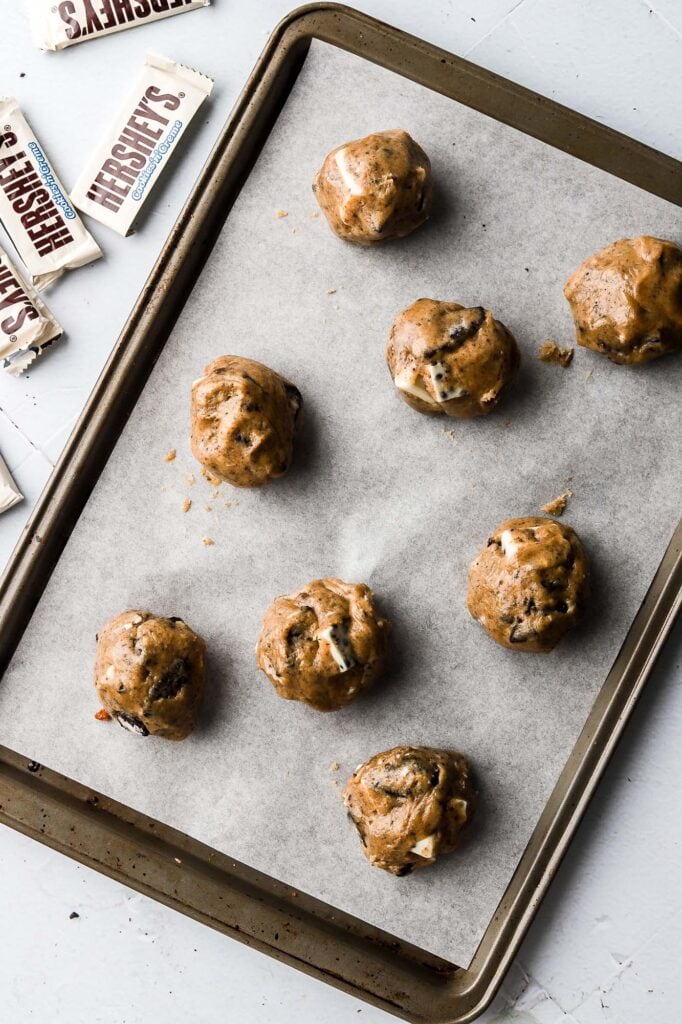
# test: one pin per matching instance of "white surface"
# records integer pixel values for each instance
(603, 947)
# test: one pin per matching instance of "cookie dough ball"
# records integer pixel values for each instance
(324, 644)
(530, 583)
(445, 358)
(149, 674)
(410, 804)
(375, 188)
(244, 420)
(627, 300)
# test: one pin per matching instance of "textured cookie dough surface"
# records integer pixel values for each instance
(149, 674)
(244, 421)
(324, 644)
(627, 300)
(409, 805)
(375, 188)
(445, 358)
(529, 585)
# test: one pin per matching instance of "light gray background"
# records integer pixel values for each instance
(620, 967)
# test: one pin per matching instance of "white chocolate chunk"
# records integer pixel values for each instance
(438, 373)
(132, 725)
(349, 179)
(340, 645)
(426, 848)
(459, 807)
(406, 381)
(509, 546)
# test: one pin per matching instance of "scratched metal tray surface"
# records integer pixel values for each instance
(197, 877)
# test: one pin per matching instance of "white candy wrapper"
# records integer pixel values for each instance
(57, 25)
(45, 229)
(130, 159)
(26, 325)
(9, 492)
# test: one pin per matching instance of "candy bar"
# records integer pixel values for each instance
(26, 325)
(130, 159)
(9, 492)
(45, 229)
(58, 25)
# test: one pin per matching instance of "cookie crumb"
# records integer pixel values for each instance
(449, 433)
(549, 352)
(177, 860)
(186, 505)
(281, 213)
(207, 542)
(314, 216)
(334, 766)
(73, 915)
(216, 494)
(191, 480)
(214, 480)
(331, 291)
(557, 506)
(102, 715)
(208, 508)
(588, 375)
(232, 504)
(170, 456)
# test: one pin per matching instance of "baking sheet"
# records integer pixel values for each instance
(378, 494)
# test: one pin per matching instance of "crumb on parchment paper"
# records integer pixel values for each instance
(557, 506)
(170, 456)
(588, 375)
(281, 213)
(102, 715)
(549, 352)
(207, 542)
(214, 480)
(334, 766)
(191, 480)
(331, 291)
(315, 215)
(186, 505)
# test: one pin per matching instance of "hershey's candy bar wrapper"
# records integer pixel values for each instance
(9, 492)
(45, 229)
(26, 325)
(129, 161)
(57, 25)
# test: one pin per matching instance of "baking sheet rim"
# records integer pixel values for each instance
(141, 338)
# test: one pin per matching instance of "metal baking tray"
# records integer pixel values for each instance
(169, 865)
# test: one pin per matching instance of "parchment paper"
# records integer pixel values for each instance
(380, 494)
